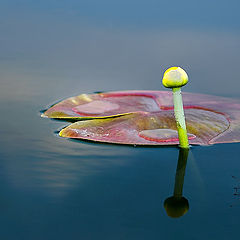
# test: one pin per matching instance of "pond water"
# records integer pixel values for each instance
(55, 188)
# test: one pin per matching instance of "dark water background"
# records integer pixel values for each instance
(54, 188)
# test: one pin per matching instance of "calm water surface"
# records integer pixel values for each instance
(54, 188)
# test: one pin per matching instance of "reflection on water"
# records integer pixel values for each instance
(33, 158)
(60, 175)
(177, 205)
(57, 166)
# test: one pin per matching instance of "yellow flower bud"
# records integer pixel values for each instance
(174, 77)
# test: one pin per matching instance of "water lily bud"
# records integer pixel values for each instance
(174, 77)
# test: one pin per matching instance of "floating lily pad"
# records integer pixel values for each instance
(119, 103)
(146, 118)
(107, 104)
(157, 128)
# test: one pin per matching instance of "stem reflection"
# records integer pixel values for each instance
(177, 205)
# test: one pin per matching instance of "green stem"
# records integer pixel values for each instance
(180, 119)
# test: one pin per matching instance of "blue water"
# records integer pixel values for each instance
(55, 188)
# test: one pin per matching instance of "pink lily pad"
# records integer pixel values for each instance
(107, 104)
(146, 118)
(143, 128)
